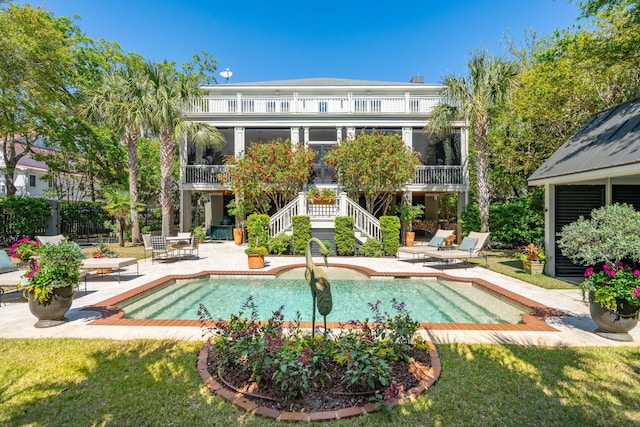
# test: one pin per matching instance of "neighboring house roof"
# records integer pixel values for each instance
(27, 162)
(608, 143)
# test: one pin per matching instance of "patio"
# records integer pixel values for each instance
(573, 330)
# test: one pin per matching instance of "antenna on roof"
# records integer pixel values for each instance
(226, 74)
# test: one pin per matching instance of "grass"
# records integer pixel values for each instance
(76, 382)
(130, 250)
(504, 262)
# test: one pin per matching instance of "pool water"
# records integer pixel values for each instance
(430, 300)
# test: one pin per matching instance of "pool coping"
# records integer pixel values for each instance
(534, 321)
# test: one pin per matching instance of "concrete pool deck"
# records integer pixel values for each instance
(574, 329)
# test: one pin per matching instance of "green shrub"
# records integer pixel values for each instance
(512, 224)
(390, 233)
(23, 216)
(279, 244)
(345, 236)
(372, 248)
(258, 229)
(301, 233)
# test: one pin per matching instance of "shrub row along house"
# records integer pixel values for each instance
(319, 113)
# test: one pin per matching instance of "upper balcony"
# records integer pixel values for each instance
(434, 177)
(314, 105)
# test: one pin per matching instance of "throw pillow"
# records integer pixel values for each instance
(468, 244)
(436, 241)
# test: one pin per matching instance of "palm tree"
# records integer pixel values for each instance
(170, 93)
(120, 206)
(119, 104)
(476, 98)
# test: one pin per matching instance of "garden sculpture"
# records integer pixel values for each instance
(319, 283)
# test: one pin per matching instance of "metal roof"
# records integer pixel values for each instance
(609, 139)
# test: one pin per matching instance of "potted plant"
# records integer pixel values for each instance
(50, 282)
(199, 232)
(407, 214)
(255, 256)
(239, 208)
(609, 236)
(103, 251)
(533, 258)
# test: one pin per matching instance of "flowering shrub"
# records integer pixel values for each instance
(296, 361)
(532, 252)
(24, 249)
(613, 284)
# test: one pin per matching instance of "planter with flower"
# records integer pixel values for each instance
(50, 282)
(103, 251)
(450, 239)
(24, 249)
(533, 258)
(607, 238)
(407, 213)
(326, 196)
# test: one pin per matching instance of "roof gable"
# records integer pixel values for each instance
(608, 139)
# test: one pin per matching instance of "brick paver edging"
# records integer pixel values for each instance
(243, 402)
(533, 321)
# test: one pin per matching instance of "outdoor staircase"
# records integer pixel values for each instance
(323, 219)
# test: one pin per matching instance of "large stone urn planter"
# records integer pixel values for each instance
(616, 324)
(533, 267)
(52, 313)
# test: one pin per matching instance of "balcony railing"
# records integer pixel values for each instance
(205, 174)
(287, 105)
(439, 175)
(425, 175)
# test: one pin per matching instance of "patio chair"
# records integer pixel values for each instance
(146, 240)
(192, 247)
(160, 249)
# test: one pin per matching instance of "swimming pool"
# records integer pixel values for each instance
(429, 300)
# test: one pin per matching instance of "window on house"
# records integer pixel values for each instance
(323, 106)
(232, 105)
(271, 106)
(376, 106)
(32, 180)
(284, 106)
(361, 105)
(247, 106)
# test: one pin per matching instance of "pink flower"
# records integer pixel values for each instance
(620, 265)
(636, 273)
(606, 267)
(588, 272)
(611, 273)
(637, 293)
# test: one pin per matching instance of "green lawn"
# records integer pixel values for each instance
(75, 382)
(505, 263)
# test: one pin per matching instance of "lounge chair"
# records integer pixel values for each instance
(109, 263)
(9, 274)
(471, 246)
(50, 239)
(422, 251)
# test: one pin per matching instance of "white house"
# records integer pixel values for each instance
(320, 112)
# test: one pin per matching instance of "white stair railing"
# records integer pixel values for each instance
(363, 221)
(282, 220)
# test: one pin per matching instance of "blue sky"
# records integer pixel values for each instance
(276, 40)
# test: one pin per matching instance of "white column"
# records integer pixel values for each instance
(238, 140)
(407, 108)
(351, 132)
(338, 134)
(295, 136)
(407, 136)
(306, 137)
(550, 229)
